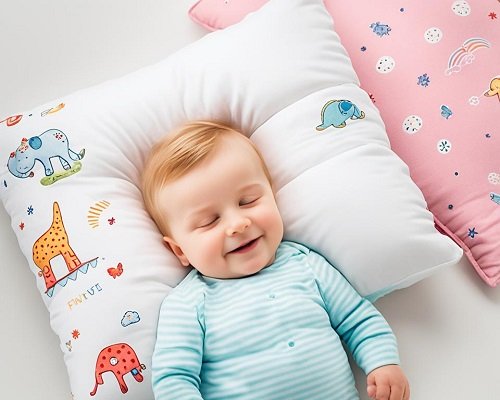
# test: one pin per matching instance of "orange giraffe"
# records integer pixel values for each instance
(52, 243)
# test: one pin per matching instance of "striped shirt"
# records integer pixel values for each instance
(275, 335)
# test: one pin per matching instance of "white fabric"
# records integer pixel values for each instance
(244, 76)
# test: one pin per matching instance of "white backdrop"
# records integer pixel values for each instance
(448, 326)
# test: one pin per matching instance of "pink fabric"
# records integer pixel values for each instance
(218, 14)
(458, 183)
(434, 73)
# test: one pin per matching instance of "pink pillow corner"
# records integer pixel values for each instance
(197, 13)
(219, 14)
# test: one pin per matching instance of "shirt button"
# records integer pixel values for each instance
(272, 296)
(291, 343)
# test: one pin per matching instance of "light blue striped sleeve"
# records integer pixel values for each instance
(359, 324)
(178, 353)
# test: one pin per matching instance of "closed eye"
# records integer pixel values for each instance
(208, 222)
(249, 201)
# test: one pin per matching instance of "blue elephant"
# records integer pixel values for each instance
(49, 144)
(336, 112)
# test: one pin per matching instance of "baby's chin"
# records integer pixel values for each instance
(256, 269)
(244, 273)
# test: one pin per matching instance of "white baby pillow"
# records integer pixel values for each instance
(72, 168)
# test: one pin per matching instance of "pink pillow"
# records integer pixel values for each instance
(434, 74)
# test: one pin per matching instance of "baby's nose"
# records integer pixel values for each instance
(238, 225)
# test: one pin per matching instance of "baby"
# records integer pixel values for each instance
(257, 318)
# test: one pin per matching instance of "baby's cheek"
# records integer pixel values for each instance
(274, 224)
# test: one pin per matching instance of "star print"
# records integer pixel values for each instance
(492, 15)
(75, 334)
(472, 233)
(30, 210)
(111, 220)
(21, 225)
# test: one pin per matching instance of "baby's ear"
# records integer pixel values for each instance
(176, 249)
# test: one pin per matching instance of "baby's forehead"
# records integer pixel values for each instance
(238, 143)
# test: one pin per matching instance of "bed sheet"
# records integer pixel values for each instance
(447, 325)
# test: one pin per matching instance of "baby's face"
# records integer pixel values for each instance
(222, 215)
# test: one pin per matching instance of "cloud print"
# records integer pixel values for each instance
(130, 317)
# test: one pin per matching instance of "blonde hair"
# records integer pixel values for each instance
(177, 154)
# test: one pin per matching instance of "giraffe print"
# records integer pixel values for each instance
(52, 243)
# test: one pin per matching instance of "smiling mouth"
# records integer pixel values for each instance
(246, 247)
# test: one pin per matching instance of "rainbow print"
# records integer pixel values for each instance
(464, 54)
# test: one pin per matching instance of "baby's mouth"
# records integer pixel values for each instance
(246, 247)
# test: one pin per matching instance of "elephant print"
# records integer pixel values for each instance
(50, 144)
(120, 359)
(336, 112)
